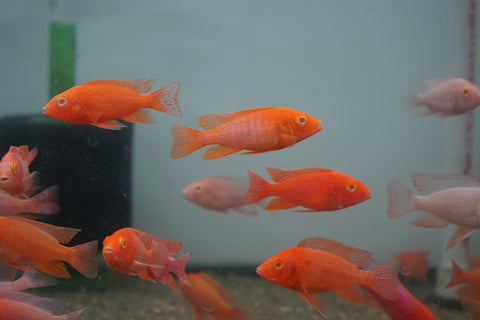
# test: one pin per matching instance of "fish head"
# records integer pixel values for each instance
(302, 125)
(11, 172)
(467, 96)
(349, 191)
(197, 192)
(118, 250)
(280, 269)
(66, 106)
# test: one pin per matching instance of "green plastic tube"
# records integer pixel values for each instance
(61, 58)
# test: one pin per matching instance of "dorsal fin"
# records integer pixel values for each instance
(357, 256)
(429, 183)
(211, 121)
(278, 175)
(139, 85)
(172, 246)
(62, 234)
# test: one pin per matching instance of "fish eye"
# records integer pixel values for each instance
(466, 91)
(62, 101)
(198, 188)
(278, 264)
(351, 187)
(13, 165)
(123, 242)
(301, 120)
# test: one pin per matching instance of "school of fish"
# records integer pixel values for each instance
(316, 265)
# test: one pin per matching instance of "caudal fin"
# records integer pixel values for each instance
(179, 268)
(257, 188)
(457, 276)
(84, 259)
(400, 199)
(383, 279)
(73, 315)
(185, 141)
(45, 202)
(165, 99)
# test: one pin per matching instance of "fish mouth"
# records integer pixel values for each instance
(109, 252)
(4, 178)
(260, 272)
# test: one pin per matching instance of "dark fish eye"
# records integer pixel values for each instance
(123, 242)
(466, 91)
(61, 101)
(13, 165)
(198, 188)
(278, 264)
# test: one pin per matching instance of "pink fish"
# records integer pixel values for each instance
(15, 176)
(41, 203)
(22, 306)
(450, 199)
(448, 97)
(218, 193)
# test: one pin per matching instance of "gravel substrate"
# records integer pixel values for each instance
(131, 298)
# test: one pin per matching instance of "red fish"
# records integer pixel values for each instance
(218, 193)
(100, 102)
(414, 265)
(404, 307)
(15, 176)
(42, 203)
(448, 97)
(257, 130)
(317, 189)
(460, 276)
(208, 297)
(451, 198)
(320, 265)
(139, 253)
(25, 241)
(22, 306)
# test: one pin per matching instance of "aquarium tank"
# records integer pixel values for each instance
(239, 159)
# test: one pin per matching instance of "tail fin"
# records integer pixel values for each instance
(73, 315)
(45, 201)
(457, 276)
(256, 189)
(185, 141)
(165, 99)
(400, 199)
(84, 259)
(236, 313)
(383, 279)
(178, 267)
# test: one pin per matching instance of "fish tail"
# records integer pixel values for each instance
(45, 201)
(73, 315)
(383, 279)
(165, 99)
(401, 200)
(457, 276)
(179, 268)
(237, 313)
(185, 141)
(257, 189)
(84, 259)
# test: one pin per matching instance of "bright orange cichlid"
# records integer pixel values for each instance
(100, 102)
(317, 189)
(208, 297)
(15, 176)
(136, 252)
(320, 265)
(256, 130)
(24, 241)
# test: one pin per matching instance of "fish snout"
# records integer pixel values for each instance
(4, 178)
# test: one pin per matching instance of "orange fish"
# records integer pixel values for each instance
(460, 276)
(317, 189)
(24, 241)
(208, 297)
(41, 203)
(320, 265)
(15, 176)
(139, 253)
(257, 130)
(414, 265)
(99, 102)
